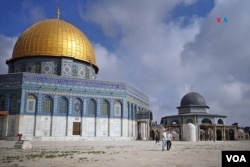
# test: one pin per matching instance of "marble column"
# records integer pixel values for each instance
(215, 136)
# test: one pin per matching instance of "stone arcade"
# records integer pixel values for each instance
(195, 123)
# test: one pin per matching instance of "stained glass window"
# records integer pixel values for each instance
(47, 105)
(63, 105)
(31, 103)
(118, 108)
(105, 107)
(92, 106)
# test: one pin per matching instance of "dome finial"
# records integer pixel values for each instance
(58, 12)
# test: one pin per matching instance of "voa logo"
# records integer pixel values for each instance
(221, 19)
(236, 158)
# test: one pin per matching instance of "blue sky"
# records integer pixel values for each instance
(26, 12)
(163, 48)
(199, 9)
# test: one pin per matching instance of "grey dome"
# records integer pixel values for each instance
(193, 99)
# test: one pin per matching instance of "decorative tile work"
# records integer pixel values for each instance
(11, 79)
(131, 90)
(30, 78)
(66, 70)
(38, 67)
(52, 65)
(23, 67)
(56, 68)
(81, 72)
(87, 74)
(30, 67)
(77, 106)
(17, 68)
(46, 67)
(74, 70)
(63, 86)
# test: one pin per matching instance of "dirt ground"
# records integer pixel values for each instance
(117, 153)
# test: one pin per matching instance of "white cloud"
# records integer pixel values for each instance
(220, 58)
(6, 47)
(166, 60)
(31, 12)
(148, 54)
(108, 63)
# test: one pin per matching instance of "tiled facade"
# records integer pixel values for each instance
(51, 91)
(53, 66)
(26, 97)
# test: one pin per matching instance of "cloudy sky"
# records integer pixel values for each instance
(165, 48)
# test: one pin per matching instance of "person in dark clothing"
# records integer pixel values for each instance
(157, 137)
(169, 140)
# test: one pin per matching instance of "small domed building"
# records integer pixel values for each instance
(194, 122)
(51, 91)
(241, 135)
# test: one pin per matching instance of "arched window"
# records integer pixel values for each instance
(31, 103)
(105, 107)
(77, 106)
(220, 121)
(92, 106)
(47, 104)
(63, 105)
(118, 108)
(206, 120)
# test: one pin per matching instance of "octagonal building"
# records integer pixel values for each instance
(51, 91)
(194, 122)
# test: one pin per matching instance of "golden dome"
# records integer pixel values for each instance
(56, 38)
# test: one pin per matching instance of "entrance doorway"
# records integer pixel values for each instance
(76, 128)
(219, 134)
(139, 131)
(231, 134)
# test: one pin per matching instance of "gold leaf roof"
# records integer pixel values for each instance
(56, 38)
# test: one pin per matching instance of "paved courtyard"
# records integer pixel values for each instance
(117, 153)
